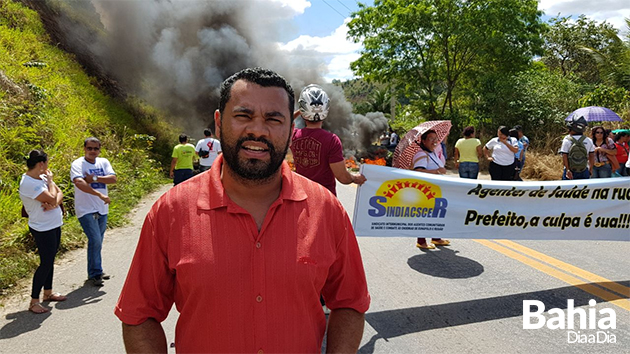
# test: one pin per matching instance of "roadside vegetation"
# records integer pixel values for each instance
(48, 102)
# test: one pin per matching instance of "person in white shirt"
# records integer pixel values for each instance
(41, 199)
(502, 149)
(572, 170)
(210, 145)
(91, 175)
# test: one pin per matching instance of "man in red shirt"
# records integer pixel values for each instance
(245, 250)
(317, 153)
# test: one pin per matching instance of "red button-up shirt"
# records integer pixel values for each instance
(237, 289)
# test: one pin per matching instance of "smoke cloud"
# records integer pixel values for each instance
(174, 54)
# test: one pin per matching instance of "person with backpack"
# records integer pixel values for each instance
(578, 151)
(207, 149)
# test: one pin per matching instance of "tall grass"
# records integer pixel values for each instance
(48, 102)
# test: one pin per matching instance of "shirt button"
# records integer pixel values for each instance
(258, 245)
(259, 298)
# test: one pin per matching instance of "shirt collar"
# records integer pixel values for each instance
(215, 196)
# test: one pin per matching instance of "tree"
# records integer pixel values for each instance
(592, 51)
(427, 46)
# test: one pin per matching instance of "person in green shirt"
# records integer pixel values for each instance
(182, 162)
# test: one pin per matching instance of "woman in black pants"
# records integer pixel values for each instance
(41, 199)
(503, 148)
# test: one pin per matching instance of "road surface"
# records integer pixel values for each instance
(467, 298)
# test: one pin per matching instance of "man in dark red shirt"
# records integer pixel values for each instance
(317, 153)
(245, 250)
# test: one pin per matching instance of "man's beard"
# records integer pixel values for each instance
(253, 169)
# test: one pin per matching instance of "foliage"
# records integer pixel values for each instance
(427, 46)
(540, 101)
(48, 102)
(583, 48)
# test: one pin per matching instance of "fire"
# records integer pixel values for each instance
(380, 161)
(351, 164)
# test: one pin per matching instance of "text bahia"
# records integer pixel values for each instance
(537, 320)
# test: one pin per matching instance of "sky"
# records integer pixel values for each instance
(321, 26)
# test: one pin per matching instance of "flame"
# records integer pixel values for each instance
(380, 161)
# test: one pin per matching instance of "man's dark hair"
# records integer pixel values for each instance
(207, 132)
(258, 76)
(35, 157)
(469, 130)
(183, 138)
(91, 140)
(513, 133)
(504, 130)
(620, 135)
(518, 128)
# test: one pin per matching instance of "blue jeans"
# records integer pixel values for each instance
(180, 176)
(94, 225)
(604, 171)
(468, 170)
(577, 175)
(622, 169)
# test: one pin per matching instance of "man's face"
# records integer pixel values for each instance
(92, 150)
(255, 130)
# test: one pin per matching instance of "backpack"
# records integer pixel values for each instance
(204, 153)
(578, 156)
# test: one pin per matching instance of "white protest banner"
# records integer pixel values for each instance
(395, 202)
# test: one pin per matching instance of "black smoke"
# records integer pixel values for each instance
(174, 54)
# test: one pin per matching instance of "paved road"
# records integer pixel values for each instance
(465, 298)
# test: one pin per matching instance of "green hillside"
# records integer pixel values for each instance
(48, 102)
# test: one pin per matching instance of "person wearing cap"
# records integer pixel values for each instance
(318, 153)
(245, 250)
(577, 126)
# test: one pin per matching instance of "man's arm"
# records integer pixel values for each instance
(345, 330)
(147, 337)
(85, 187)
(565, 162)
(173, 163)
(343, 176)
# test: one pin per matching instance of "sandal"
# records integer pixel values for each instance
(55, 297)
(37, 308)
(441, 242)
(425, 246)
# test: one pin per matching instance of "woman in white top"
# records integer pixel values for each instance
(41, 199)
(503, 148)
(429, 159)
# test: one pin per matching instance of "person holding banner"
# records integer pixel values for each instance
(502, 149)
(430, 159)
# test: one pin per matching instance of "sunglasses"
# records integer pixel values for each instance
(89, 148)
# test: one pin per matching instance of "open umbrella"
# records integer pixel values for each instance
(595, 114)
(410, 143)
